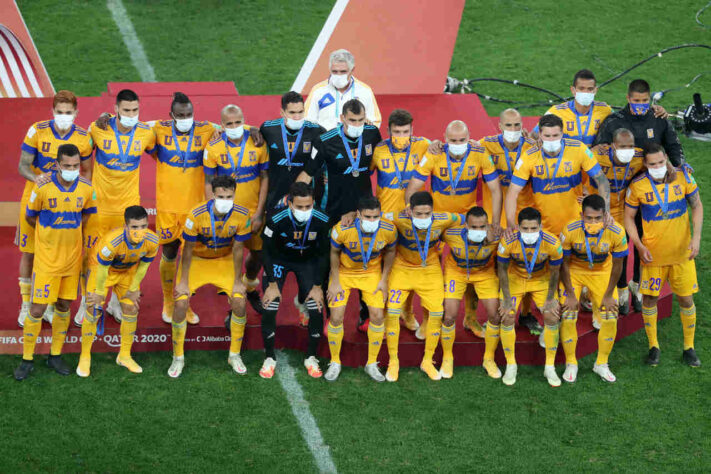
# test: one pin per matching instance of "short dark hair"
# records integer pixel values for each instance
(638, 85)
(399, 117)
(368, 202)
(421, 198)
(354, 106)
(134, 213)
(477, 211)
(126, 94)
(224, 181)
(179, 98)
(300, 189)
(594, 202)
(652, 147)
(291, 97)
(68, 149)
(550, 120)
(586, 74)
(529, 214)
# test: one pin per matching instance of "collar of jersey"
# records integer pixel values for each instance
(71, 189)
(56, 134)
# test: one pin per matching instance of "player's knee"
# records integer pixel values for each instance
(449, 318)
(649, 301)
(377, 315)
(685, 301)
(37, 310)
(62, 305)
(550, 318)
(494, 318)
(129, 309)
(170, 250)
(238, 305)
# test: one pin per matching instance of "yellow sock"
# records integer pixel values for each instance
(60, 324)
(606, 338)
(688, 325)
(167, 275)
(596, 316)
(179, 338)
(88, 331)
(508, 342)
(569, 336)
(650, 325)
(550, 336)
(335, 339)
(375, 340)
(447, 342)
(128, 330)
(237, 325)
(491, 340)
(251, 285)
(30, 331)
(434, 328)
(25, 289)
(392, 332)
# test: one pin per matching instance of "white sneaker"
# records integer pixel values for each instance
(634, 289)
(299, 306)
(333, 371)
(311, 364)
(166, 319)
(541, 340)
(585, 302)
(623, 297)
(81, 313)
(551, 376)
(235, 361)
(571, 373)
(421, 332)
(509, 377)
(24, 311)
(114, 308)
(374, 372)
(176, 368)
(48, 313)
(596, 324)
(268, 368)
(603, 370)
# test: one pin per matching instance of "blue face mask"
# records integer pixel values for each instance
(639, 109)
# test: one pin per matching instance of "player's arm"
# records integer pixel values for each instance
(209, 168)
(419, 177)
(258, 217)
(604, 134)
(672, 146)
(631, 228)
(502, 268)
(25, 169)
(34, 206)
(269, 251)
(608, 302)
(102, 273)
(388, 259)
(571, 302)
(334, 285)
(551, 305)
(496, 198)
(182, 288)
(697, 219)
(510, 203)
(603, 187)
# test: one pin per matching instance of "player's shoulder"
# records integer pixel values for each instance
(490, 139)
(362, 84)
(478, 149)
(151, 237)
(214, 141)
(340, 227)
(532, 151)
(454, 231)
(601, 104)
(115, 237)
(387, 225)
(329, 134)
(280, 215)
(240, 210)
(574, 225)
(84, 182)
(319, 215)
(615, 229)
(512, 238)
(143, 126)
(80, 131)
(273, 123)
(572, 143)
(319, 86)
(199, 209)
(41, 125)
(370, 127)
(561, 106)
(549, 238)
(163, 124)
(639, 179)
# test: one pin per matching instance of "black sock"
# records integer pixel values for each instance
(269, 331)
(315, 330)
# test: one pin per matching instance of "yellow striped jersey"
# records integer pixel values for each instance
(610, 241)
(345, 238)
(480, 256)
(407, 244)
(214, 235)
(578, 126)
(391, 185)
(511, 250)
(118, 253)
(619, 176)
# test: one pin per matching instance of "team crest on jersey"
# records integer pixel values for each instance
(80, 202)
(307, 147)
(198, 141)
(232, 229)
(677, 190)
(252, 155)
(650, 133)
(649, 197)
(443, 172)
(137, 146)
(604, 247)
(471, 171)
(107, 144)
(368, 149)
(312, 235)
(568, 167)
(45, 147)
(539, 170)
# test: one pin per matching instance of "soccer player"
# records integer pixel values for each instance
(214, 235)
(470, 261)
(362, 256)
(663, 195)
(592, 257)
(122, 262)
(327, 99)
(296, 241)
(536, 255)
(58, 210)
(417, 269)
(235, 154)
(37, 162)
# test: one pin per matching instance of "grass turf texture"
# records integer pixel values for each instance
(211, 419)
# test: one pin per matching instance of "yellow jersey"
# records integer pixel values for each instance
(121, 255)
(465, 256)
(355, 244)
(116, 165)
(393, 171)
(412, 246)
(453, 182)
(582, 127)
(244, 162)
(619, 177)
(58, 230)
(593, 256)
(180, 181)
(530, 261)
(42, 142)
(214, 235)
(665, 217)
(556, 181)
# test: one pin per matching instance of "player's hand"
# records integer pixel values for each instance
(505, 308)
(134, 296)
(181, 289)
(43, 178)
(571, 304)
(509, 232)
(257, 137)
(435, 147)
(609, 304)
(316, 294)
(334, 289)
(496, 231)
(645, 254)
(95, 299)
(238, 288)
(383, 288)
(525, 133)
(103, 121)
(347, 219)
(551, 306)
(270, 294)
(368, 122)
(694, 246)
(257, 222)
(608, 219)
(659, 111)
(408, 211)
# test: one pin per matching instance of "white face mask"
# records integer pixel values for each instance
(235, 133)
(658, 173)
(128, 122)
(422, 222)
(512, 136)
(369, 226)
(353, 131)
(339, 81)
(69, 175)
(301, 216)
(63, 121)
(530, 238)
(184, 125)
(625, 156)
(223, 206)
(584, 98)
(551, 147)
(458, 149)
(294, 124)
(476, 236)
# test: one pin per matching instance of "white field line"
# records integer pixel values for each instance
(130, 39)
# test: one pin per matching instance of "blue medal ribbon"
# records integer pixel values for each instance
(398, 173)
(662, 204)
(100, 321)
(123, 157)
(577, 119)
(587, 244)
(559, 159)
(509, 174)
(465, 238)
(424, 250)
(453, 182)
(354, 163)
(242, 146)
(366, 255)
(183, 154)
(529, 268)
(211, 213)
(618, 185)
(285, 141)
(302, 244)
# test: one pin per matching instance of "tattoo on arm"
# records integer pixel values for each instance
(694, 200)
(603, 188)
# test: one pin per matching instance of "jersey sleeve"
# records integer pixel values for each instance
(86, 148)
(34, 204)
(336, 237)
(620, 248)
(244, 231)
(691, 186)
(566, 242)
(106, 253)
(555, 253)
(589, 163)
(263, 158)
(522, 172)
(392, 238)
(209, 161)
(29, 144)
(631, 199)
(150, 142)
(503, 253)
(151, 254)
(488, 169)
(89, 202)
(424, 168)
(190, 228)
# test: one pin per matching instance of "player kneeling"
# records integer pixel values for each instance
(536, 256)
(587, 248)
(122, 262)
(356, 255)
(470, 260)
(214, 235)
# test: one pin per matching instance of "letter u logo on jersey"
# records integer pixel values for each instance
(168, 141)
(223, 159)
(649, 197)
(539, 170)
(569, 126)
(443, 172)
(45, 147)
(298, 235)
(385, 162)
(107, 144)
(52, 203)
